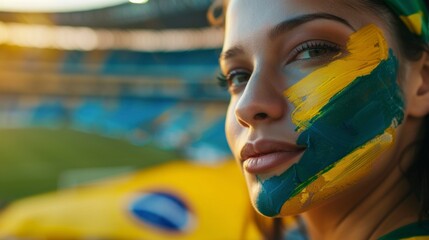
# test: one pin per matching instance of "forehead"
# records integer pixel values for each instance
(247, 17)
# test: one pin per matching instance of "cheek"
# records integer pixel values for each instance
(346, 120)
(232, 128)
(233, 132)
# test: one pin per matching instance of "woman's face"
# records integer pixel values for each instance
(315, 103)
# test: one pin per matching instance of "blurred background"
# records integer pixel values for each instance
(95, 90)
(118, 88)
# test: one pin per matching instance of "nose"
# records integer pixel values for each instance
(262, 101)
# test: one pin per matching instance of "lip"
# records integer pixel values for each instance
(265, 156)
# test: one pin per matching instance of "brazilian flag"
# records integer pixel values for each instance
(414, 14)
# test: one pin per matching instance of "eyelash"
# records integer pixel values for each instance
(224, 81)
(312, 45)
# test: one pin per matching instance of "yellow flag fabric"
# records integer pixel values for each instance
(178, 200)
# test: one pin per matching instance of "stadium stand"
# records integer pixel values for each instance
(145, 74)
(170, 98)
(167, 96)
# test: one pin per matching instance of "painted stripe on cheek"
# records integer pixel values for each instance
(342, 131)
(338, 176)
(367, 48)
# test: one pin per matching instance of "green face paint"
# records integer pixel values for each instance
(347, 128)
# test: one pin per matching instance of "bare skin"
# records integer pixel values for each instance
(258, 111)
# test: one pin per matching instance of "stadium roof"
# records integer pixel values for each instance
(56, 6)
(154, 14)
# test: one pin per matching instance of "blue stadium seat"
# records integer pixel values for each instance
(50, 113)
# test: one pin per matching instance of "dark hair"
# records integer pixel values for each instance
(412, 48)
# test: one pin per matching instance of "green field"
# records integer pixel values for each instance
(34, 160)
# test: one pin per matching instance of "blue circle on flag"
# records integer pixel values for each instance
(162, 210)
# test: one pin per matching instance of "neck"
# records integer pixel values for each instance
(378, 211)
(370, 210)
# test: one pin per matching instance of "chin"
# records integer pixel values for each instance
(313, 196)
(294, 206)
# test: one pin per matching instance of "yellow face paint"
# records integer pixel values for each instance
(346, 172)
(346, 112)
(366, 49)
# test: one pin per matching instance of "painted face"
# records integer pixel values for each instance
(314, 99)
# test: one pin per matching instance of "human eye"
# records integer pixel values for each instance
(234, 80)
(314, 50)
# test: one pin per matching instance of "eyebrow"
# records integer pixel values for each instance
(286, 26)
(290, 24)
